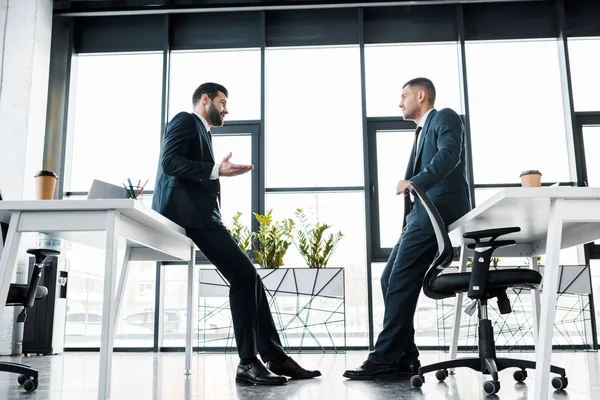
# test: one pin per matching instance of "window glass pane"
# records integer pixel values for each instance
(135, 327)
(584, 73)
(175, 306)
(350, 253)
(482, 195)
(236, 192)
(393, 152)
(313, 117)
(116, 120)
(591, 143)
(516, 111)
(388, 67)
(190, 69)
(595, 272)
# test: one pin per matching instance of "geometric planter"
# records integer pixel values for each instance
(308, 307)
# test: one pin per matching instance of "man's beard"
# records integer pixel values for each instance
(214, 116)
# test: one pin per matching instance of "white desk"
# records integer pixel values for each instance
(148, 236)
(551, 219)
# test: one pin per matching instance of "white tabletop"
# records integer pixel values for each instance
(129, 208)
(529, 209)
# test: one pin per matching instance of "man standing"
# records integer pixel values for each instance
(437, 165)
(188, 192)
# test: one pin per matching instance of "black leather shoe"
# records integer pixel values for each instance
(289, 367)
(408, 367)
(256, 373)
(371, 371)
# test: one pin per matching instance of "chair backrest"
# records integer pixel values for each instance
(3, 231)
(445, 251)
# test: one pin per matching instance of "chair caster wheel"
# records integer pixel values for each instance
(441, 374)
(21, 379)
(559, 383)
(491, 387)
(417, 381)
(30, 385)
(520, 376)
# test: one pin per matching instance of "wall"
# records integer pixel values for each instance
(25, 33)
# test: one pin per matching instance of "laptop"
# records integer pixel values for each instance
(104, 190)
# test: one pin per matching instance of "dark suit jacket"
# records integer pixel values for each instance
(184, 192)
(441, 169)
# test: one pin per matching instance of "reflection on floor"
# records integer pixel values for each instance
(144, 376)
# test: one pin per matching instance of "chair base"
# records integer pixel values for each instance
(488, 366)
(28, 377)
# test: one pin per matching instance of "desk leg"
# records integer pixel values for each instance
(188, 319)
(108, 305)
(9, 257)
(535, 302)
(458, 307)
(122, 283)
(543, 351)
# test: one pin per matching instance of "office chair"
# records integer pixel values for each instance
(20, 295)
(480, 284)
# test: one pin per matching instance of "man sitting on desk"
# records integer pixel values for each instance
(437, 165)
(187, 192)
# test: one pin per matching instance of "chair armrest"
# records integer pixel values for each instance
(479, 273)
(496, 244)
(493, 233)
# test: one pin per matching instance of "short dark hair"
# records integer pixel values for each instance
(210, 89)
(425, 84)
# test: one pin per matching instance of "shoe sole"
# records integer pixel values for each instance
(382, 377)
(304, 377)
(244, 381)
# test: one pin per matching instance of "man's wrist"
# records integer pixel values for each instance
(215, 172)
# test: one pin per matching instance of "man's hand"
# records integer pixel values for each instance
(401, 188)
(229, 169)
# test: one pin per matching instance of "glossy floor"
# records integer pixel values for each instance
(142, 376)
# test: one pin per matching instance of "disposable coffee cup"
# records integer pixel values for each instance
(531, 178)
(45, 184)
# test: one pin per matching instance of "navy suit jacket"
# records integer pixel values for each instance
(440, 169)
(184, 192)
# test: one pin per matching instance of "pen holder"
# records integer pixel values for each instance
(138, 192)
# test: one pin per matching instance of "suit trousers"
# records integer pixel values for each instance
(253, 325)
(401, 283)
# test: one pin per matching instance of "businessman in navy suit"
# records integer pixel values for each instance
(437, 164)
(187, 191)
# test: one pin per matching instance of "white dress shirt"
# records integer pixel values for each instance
(215, 171)
(422, 124)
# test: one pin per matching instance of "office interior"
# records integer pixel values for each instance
(88, 86)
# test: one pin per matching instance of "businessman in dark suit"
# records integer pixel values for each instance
(437, 164)
(187, 192)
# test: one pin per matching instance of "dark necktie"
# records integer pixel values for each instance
(414, 150)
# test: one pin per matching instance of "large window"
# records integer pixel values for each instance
(584, 73)
(190, 69)
(516, 111)
(135, 327)
(313, 117)
(388, 67)
(116, 120)
(350, 253)
(236, 192)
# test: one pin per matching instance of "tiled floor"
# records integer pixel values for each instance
(140, 376)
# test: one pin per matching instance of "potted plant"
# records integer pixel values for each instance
(312, 243)
(298, 290)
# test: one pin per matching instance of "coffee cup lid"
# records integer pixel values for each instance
(530, 172)
(45, 173)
